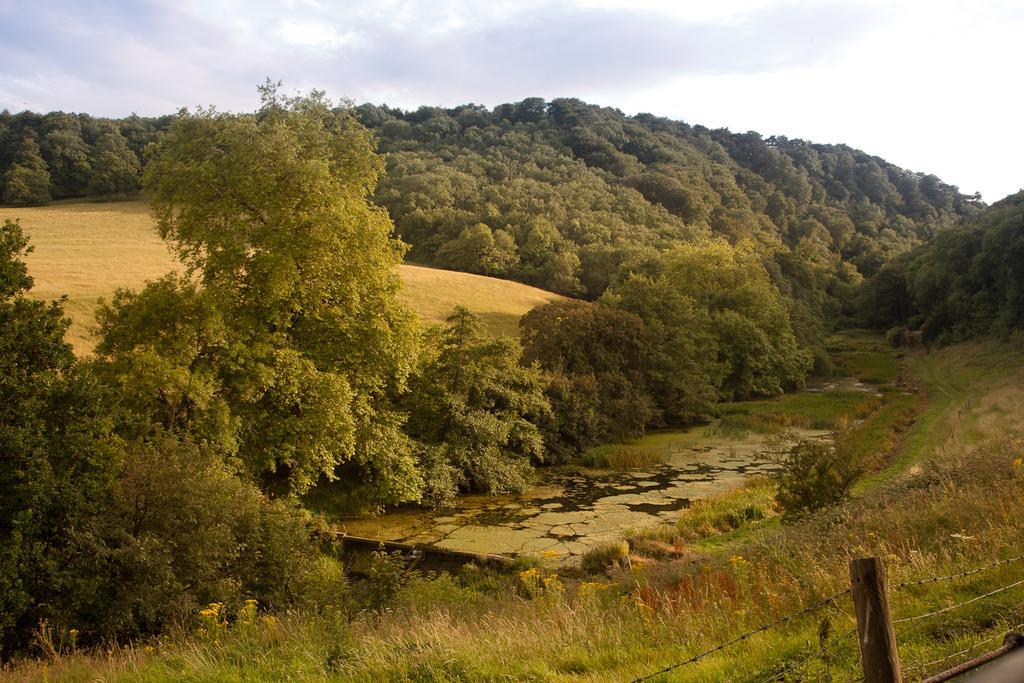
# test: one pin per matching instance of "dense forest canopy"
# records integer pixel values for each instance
(965, 283)
(560, 193)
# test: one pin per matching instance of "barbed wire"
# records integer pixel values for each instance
(943, 610)
(806, 660)
(913, 621)
(749, 634)
(960, 575)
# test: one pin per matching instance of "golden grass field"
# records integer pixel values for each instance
(87, 250)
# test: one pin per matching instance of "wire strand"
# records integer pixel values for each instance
(930, 664)
(958, 605)
(960, 575)
(806, 660)
(749, 634)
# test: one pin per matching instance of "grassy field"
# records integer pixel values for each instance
(87, 250)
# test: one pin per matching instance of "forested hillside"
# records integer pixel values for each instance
(59, 156)
(965, 283)
(569, 196)
(561, 194)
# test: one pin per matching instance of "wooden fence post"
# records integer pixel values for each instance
(878, 655)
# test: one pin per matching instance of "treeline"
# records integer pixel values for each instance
(45, 157)
(565, 195)
(967, 282)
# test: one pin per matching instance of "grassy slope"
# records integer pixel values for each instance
(949, 502)
(87, 250)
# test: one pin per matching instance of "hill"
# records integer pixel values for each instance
(87, 250)
(561, 194)
(572, 197)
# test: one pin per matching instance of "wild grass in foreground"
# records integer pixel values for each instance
(954, 508)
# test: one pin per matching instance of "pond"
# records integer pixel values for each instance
(573, 508)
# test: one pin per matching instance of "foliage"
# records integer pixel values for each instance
(604, 556)
(284, 344)
(27, 180)
(728, 511)
(958, 505)
(474, 409)
(55, 438)
(716, 326)
(620, 456)
(114, 167)
(813, 473)
(965, 283)
(114, 537)
(806, 410)
(681, 372)
(576, 191)
(595, 356)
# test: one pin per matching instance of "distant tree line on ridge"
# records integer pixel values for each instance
(46, 157)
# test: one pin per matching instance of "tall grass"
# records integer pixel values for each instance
(621, 456)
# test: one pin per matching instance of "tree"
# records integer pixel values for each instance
(27, 181)
(812, 473)
(602, 353)
(67, 155)
(681, 372)
(115, 168)
(289, 340)
(757, 350)
(475, 410)
(115, 536)
(478, 250)
(55, 442)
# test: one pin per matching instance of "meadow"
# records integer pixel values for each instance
(86, 250)
(946, 499)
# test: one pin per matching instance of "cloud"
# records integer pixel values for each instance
(429, 52)
(893, 78)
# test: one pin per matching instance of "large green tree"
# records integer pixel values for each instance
(285, 344)
(597, 358)
(757, 350)
(474, 409)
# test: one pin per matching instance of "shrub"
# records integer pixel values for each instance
(385, 576)
(604, 556)
(813, 473)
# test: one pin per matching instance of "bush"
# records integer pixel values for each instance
(813, 473)
(604, 556)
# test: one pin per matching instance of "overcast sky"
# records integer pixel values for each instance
(931, 85)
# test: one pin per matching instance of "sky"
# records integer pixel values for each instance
(930, 85)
